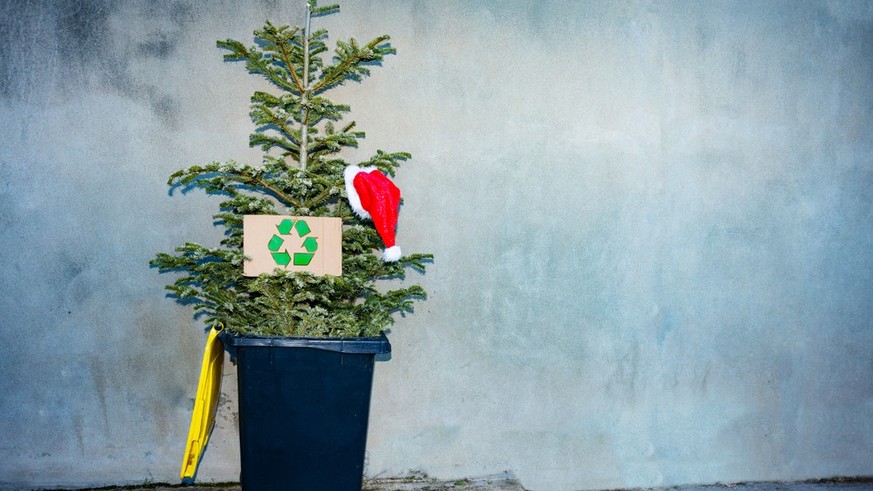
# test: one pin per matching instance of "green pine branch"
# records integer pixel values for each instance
(297, 125)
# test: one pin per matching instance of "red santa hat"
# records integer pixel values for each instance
(372, 195)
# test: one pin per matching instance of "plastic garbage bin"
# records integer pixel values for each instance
(304, 405)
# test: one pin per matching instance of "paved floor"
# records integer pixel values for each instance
(506, 482)
(499, 482)
(502, 482)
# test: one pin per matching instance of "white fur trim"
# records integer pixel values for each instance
(391, 254)
(354, 199)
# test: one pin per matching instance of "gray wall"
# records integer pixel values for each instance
(652, 223)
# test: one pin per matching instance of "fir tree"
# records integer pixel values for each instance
(301, 133)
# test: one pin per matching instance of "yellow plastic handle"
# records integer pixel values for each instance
(205, 404)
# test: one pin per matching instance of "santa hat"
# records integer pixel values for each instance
(372, 195)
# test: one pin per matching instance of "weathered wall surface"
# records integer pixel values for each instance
(652, 223)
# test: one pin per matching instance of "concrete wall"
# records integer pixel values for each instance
(652, 223)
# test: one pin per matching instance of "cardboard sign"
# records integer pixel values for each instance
(312, 244)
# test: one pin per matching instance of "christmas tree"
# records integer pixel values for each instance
(302, 134)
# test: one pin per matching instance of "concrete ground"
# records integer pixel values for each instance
(498, 482)
(507, 482)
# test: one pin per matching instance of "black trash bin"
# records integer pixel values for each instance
(304, 405)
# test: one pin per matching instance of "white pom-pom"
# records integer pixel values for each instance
(391, 254)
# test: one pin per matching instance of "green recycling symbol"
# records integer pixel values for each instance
(280, 255)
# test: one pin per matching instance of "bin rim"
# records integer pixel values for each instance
(376, 345)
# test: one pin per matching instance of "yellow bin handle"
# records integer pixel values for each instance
(205, 404)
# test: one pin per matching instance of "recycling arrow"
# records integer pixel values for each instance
(281, 256)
